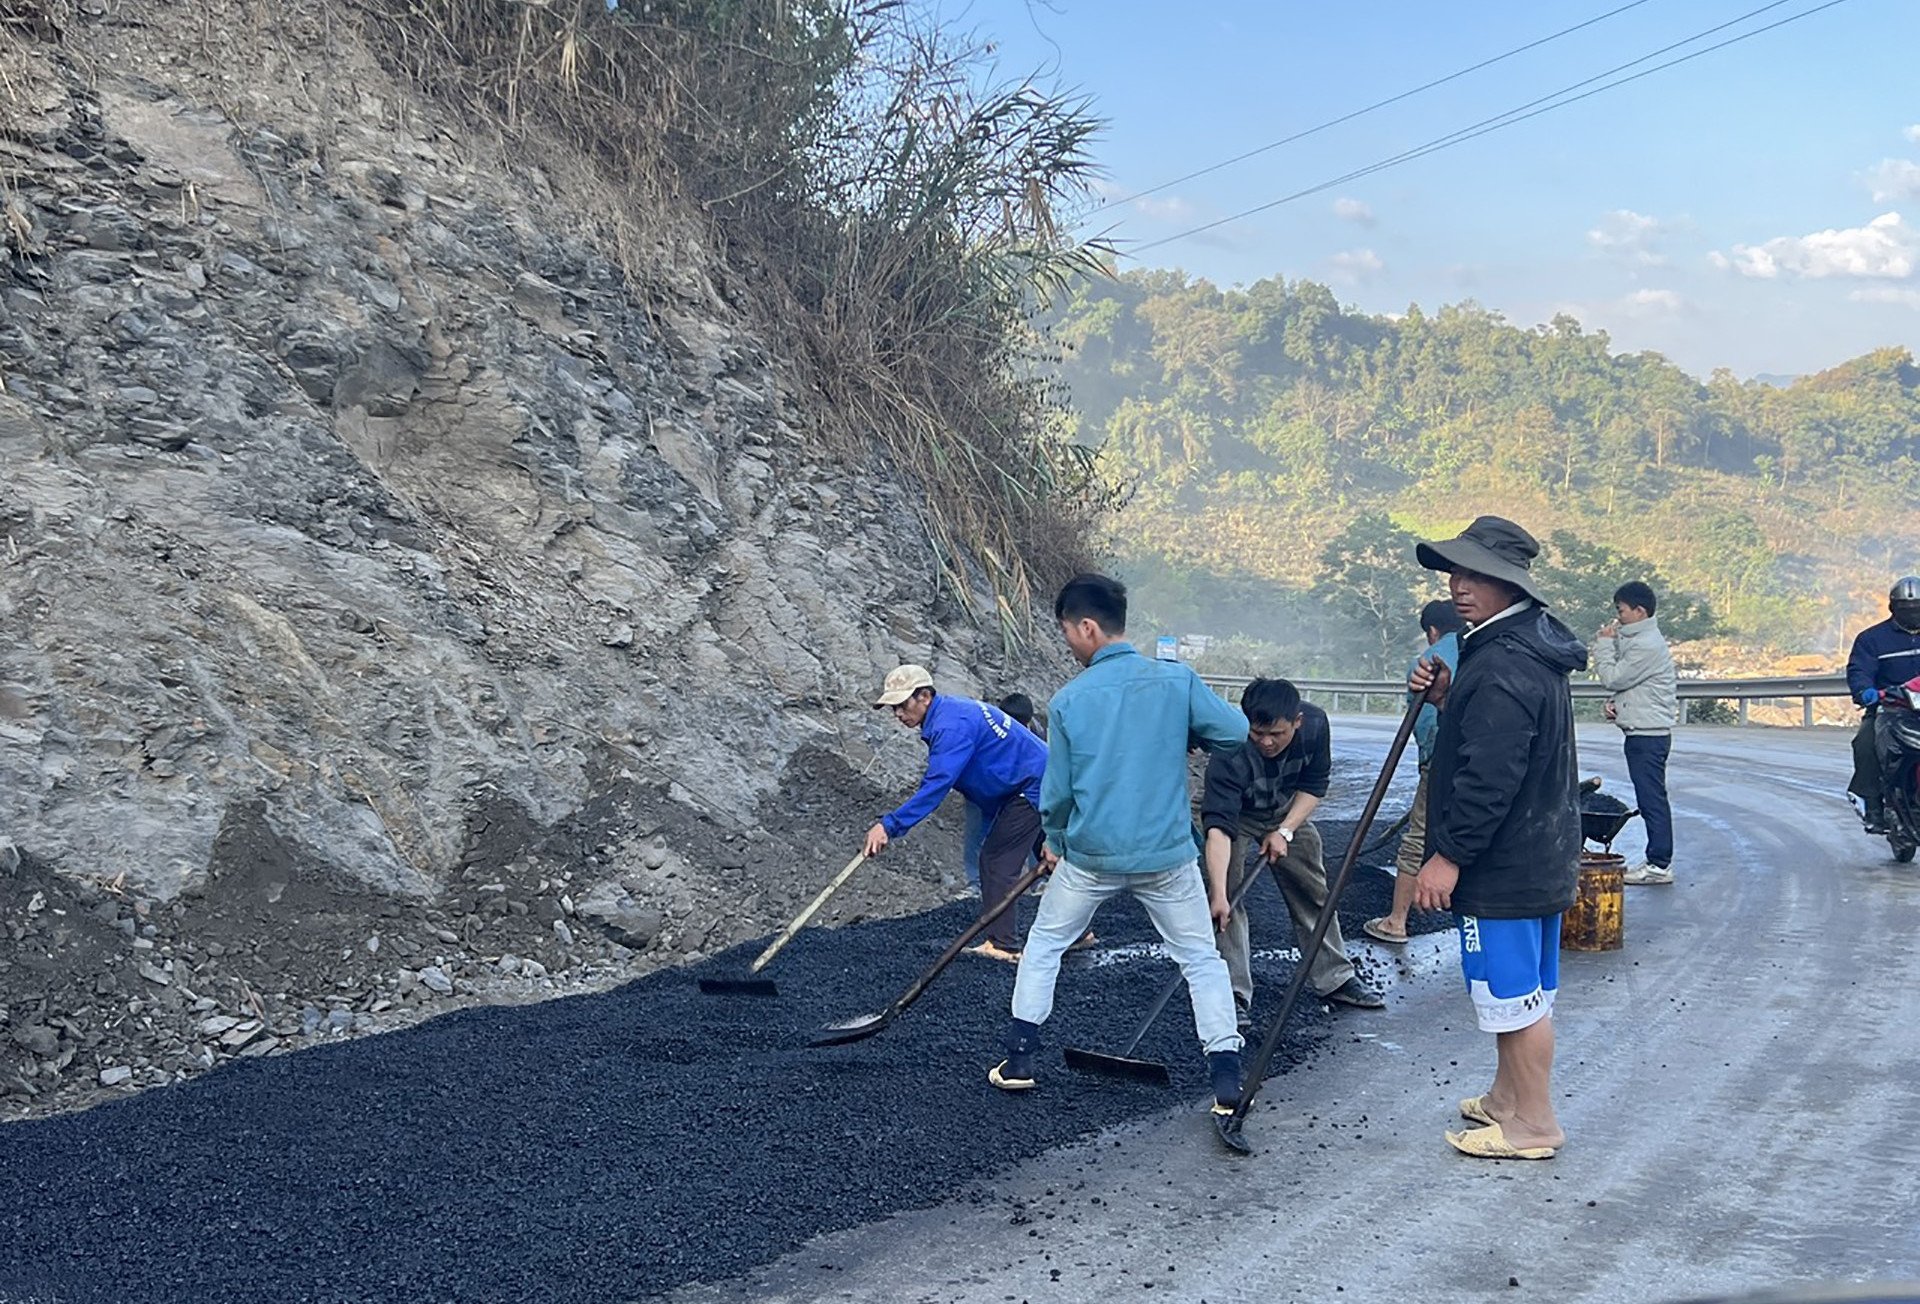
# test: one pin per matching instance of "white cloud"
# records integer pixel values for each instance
(1884, 249)
(1633, 236)
(1902, 295)
(1654, 303)
(1172, 208)
(1913, 133)
(1357, 265)
(1894, 179)
(1357, 211)
(1161, 208)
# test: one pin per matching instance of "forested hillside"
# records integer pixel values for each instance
(1280, 446)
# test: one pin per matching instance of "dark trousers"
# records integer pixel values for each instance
(1011, 839)
(1647, 765)
(1866, 783)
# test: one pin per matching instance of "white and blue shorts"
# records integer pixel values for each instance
(1512, 967)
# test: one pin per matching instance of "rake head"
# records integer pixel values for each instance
(739, 987)
(1118, 1066)
(1228, 1128)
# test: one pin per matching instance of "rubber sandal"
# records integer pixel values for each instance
(1006, 1083)
(1490, 1142)
(1474, 1110)
(1372, 929)
(1086, 943)
(988, 951)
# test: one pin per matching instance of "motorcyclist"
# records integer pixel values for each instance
(1883, 656)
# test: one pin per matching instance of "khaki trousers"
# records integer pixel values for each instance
(1302, 876)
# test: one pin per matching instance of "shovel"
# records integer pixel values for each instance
(860, 1029)
(1229, 1125)
(1124, 1065)
(764, 986)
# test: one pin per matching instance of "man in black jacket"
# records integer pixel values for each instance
(1503, 821)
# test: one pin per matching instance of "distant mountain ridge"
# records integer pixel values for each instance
(1256, 424)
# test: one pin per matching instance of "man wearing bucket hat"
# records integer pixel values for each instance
(1503, 821)
(995, 762)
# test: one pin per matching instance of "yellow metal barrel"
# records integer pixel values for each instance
(1597, 921)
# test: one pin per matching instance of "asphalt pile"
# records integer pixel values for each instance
(601, 1147)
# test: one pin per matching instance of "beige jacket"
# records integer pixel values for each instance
(1638, 670)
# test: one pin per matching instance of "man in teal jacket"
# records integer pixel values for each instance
(1115, 813)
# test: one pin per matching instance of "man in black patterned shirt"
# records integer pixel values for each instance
(1264, 793)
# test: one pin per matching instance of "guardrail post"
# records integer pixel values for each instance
(1806, 712)
(1743, 710)
(1336, 704)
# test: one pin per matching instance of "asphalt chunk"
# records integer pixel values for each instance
(602, 1147)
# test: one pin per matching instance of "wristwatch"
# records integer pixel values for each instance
(1284, 832)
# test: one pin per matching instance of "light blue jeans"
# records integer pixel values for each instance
(973, 839)
(1176, 901)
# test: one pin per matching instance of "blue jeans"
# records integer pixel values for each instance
(974, 838)
(1647, 764)
(1176, 901)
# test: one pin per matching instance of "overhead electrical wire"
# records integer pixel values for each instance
(1507, 119)
(1377, 104)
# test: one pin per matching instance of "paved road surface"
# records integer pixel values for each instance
(1739, 1096)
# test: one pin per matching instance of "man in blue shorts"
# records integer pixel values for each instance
(1503, 821)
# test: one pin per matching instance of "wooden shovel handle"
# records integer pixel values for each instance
(960, 943)
(813, 907)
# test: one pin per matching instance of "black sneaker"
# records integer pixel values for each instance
(1015, 1072)
(1357, 994)
(1224, 1067)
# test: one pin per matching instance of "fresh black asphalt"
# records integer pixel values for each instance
(598, 1148)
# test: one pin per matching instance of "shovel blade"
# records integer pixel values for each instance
(1228, 1128)
(842, 1033)
(1118, 1066)
(739, 987)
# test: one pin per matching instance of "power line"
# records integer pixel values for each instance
(1508, 119)
(1378, 104)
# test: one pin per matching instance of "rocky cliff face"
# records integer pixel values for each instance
(407, 567)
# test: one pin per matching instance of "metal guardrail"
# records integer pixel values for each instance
(1744, 691)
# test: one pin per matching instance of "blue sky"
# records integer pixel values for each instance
(1757, 208)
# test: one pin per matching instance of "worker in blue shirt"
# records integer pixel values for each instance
(996, 764)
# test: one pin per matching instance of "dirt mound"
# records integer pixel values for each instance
(105, 991)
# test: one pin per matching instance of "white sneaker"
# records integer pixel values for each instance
(1645, 875)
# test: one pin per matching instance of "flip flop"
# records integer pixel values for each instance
(1372, 929)
(1491, 1142)
(1474, 1110)
(1086, 943)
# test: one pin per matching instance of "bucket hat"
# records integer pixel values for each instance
(1494, 547)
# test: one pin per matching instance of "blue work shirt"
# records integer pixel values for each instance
(1427, 724)
(1115, 797)
(978, 749)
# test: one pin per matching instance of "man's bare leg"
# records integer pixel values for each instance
(1521, 1099)
(1393, 924)
(1402, 902)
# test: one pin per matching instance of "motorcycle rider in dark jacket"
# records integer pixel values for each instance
(1884, 656)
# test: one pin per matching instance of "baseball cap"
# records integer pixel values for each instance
(903, 682)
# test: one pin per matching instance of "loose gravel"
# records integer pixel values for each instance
(598, 1148)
